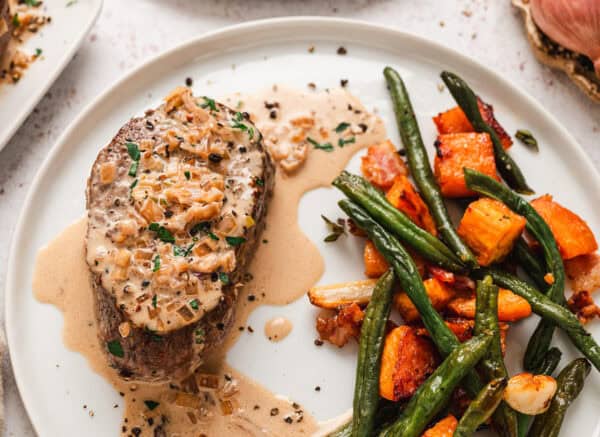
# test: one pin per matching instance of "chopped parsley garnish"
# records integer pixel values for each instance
(224, 278)
(32, 2)
(154, 299)
(527, 138)
(237, 124)
(342, 142)
(213, 236)
(325, 146)
(134, 153)
(133, 169)
(187, 175)
(235, 241)
(115, 348)
(336, 229)
(38, 52)
(209, 103)
(194, 303)
(71, 3)
(162, 233)
(133, 184)
(133, 150)
(15, 20)
(181, 251)
(151, 404)
(342, 127)
(156, 263)
(259, 181)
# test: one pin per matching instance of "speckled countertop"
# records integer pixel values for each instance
(129, 32)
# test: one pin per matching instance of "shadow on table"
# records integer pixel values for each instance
(255, 9)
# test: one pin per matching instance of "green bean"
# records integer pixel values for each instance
(370, 198)
(467, 100)
(530, 263)
(492, 365)
(547, 309)
(410, 281)
(420, 168)
(372, 337)
(481, 408)
(570, 383)
(542, 336)
(435, 392)
(547, 367)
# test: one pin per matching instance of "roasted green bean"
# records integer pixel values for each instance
(420, 167)
(467, 100)
(492, 365)
(570, 383)
(481, 408)
(435, 392)
(372, 338)
(371, 199)
(542, 336)
(547, 309)
(530, 263)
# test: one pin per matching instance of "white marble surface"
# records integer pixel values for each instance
(129, 32)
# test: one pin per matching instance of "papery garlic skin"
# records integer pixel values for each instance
(574, 24)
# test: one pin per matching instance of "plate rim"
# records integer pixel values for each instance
(59, 67)
(235, 31)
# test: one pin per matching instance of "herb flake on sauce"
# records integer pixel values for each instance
(162, 233)
(327, 147)
(235, 241)
(151, 404)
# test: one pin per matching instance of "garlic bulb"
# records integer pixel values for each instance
(574, 24)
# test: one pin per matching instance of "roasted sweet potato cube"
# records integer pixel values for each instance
(454, 121)
(439, 294)
(382, 164)
(572, 234)
(511, 307)
(375, 263)
(443, 428)
(454, 153)
(403, 196)
(407, 360)
(490, 229)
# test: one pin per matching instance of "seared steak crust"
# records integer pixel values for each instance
(170, 353)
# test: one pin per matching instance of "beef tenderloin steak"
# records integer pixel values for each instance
(176, 203)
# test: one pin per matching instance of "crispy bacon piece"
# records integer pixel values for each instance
(407, 360)
(584, 272)
(382, 164)
(457, 282)
(582, 304)
(343, 326)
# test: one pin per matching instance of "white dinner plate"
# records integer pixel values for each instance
(71, 21)
(249, 57)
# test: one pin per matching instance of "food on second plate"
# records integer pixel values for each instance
(176, 203)
(5, 26)
(19, 20)
(441, 309)
(564, 34)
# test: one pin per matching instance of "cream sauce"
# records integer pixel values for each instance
(278, 328)
(62, 279)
